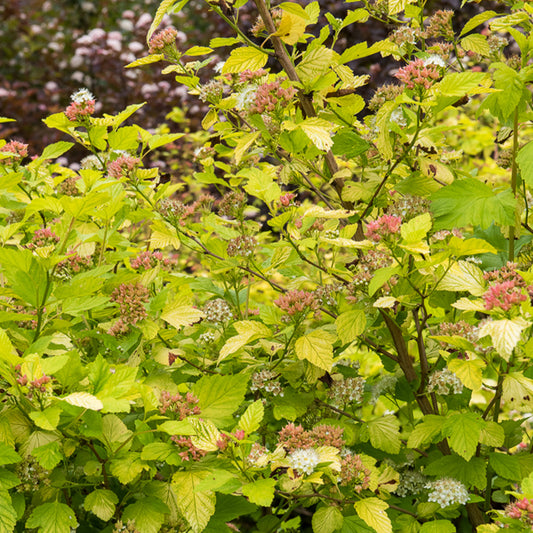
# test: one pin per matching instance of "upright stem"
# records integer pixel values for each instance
(305, 101)
(514, 173)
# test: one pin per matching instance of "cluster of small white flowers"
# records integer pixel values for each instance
(435, 59)
(91, 162)
(82, 96)
(217, 311)
(385, 384)
(444, 382)
(347, 390)
(411, 482)
(304, 461)
(447, 491)
(265, 380)
(398, 117)
(475, 260)
(207, 337)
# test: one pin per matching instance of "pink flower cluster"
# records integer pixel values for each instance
(43, 237)
(183, 406)
(354, 472)
(417, 73)
(227, 438)
(286, 199)
(297, 303)
(122, 166)
(521, 510)
(190, 451)
(131, 298)
(507, 288)
(503, 296)
(293, 437)
(147, 260)
(18, 149)
(80, 110)
(74, 263)
(270, 95)
(162, 40)
(251, 75)
(36, 385)
(383, 227)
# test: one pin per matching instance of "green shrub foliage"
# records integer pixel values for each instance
(325, 327)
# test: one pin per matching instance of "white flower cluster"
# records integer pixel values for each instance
(207, 337)
(266, 380)
(82, 96)
(444, 382)
(447, 491)
(304, 461)
(217, 311)
(346, 391)
(434, 59)
(411, 482)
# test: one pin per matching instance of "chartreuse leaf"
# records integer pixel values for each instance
(463, 276)
(438, 526)
(260, 492)
(315, 62)
(384, 141)
(469, 201)
(161, 451)
(517, 389)
(350, 325)
(7, 350)
(178, 312)
(463, 431)
(460, 247)
(527, 486)
(46, 419)
(102, 503)
(292, 26)
(207, 434)
(248, 331)
(85, 400)
(477, 43)
(148, 513)
(476, 21)
(49, 455)
(197, 506)
(416, 229)
(243, 144)
(52, 517)
(127, 466)
(8, 515)
(252, 417)
(220, 396)
(505, 334)
(327, 520)
(373, 512)
(384, 433)
(524, 160)
(469, 371)
(8, 455)
(506, 466)
(244, 58)
(317, 348)
(427, 431)
(492, 434)
(8, 479)
(162, 10)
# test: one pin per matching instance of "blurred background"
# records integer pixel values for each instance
(49, 49)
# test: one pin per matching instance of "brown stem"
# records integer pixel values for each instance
(305, 101)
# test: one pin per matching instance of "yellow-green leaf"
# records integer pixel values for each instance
(505, 334)
(146, 60)
(477, 43)
(317, 348)
(416, 229)
(463, 276)
(373, 512)
(319, 131)
(244, 58)
(85, 400)
(244, 142)
(207, 434)
(179, 314)
(327, 520)
(251, 419)
(314, 63)
(350, 325)
(197, 506)
(249, 330)
(291, 28)
(469, 371)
